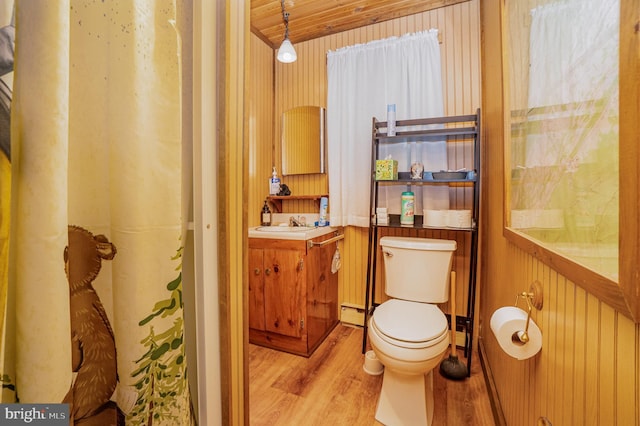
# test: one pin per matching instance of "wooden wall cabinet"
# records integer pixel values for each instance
(293, 295)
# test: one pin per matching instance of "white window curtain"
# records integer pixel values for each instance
(362, 80)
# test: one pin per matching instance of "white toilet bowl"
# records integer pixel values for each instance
(409, 339)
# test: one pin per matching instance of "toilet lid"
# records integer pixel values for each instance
(410, 321)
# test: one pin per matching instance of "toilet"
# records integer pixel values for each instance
(408, 333)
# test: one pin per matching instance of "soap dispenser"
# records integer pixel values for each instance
(266, 215)
(274, 183)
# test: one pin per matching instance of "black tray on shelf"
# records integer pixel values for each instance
(449, 175)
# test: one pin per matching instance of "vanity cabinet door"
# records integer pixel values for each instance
(322, 294)
(256, 289)
(284, 298)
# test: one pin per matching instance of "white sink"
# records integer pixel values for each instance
(289, 232)
(285, 228)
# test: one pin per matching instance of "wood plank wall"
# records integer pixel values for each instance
(588, 371)
(304, 83)
(260, 138)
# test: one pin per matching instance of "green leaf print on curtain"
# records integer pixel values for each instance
(162, 369)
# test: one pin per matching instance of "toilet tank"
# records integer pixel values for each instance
(417, 269)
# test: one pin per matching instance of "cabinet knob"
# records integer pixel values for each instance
(267, 271)
(256, 271)
(301, 265)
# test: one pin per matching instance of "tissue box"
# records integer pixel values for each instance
(386, 170)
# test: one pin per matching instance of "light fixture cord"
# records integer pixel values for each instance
(285, 17)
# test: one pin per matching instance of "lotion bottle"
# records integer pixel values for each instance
(274, 183)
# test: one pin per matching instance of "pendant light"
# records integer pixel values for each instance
(286, 53)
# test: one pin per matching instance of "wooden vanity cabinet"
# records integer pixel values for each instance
(293, 295)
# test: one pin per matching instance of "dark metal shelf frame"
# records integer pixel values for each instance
(452, 129)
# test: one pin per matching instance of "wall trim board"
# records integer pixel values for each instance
(494, 398)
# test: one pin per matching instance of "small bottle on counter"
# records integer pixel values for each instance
(266, 215)
(408, 208)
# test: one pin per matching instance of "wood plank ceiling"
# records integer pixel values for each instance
(310, 19)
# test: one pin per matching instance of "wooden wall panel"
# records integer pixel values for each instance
(260, 127)
(590, 354)
(353, 271)
(588, 371)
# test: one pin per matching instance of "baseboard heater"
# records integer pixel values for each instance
(352, 314)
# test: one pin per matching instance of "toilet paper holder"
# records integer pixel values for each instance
(534, 299)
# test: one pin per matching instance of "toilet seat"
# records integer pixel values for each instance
(408, 324)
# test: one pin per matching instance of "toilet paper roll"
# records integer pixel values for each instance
(459, 218)
(509, 320)
(435, 218)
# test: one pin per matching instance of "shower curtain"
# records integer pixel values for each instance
(7, 33)
(362, 80)
(95, 291)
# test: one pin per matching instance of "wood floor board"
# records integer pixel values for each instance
(331, 388)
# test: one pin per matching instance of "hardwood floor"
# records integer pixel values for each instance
(331, 388)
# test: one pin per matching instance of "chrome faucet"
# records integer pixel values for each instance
(295, 222)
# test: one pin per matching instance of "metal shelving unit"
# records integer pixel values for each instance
(453, 129)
